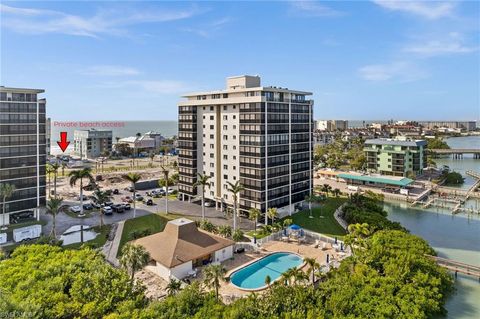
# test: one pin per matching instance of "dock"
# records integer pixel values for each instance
(457, 267)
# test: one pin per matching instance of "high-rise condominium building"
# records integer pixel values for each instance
(22, 149)
(260, 136)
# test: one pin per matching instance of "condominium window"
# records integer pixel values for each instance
(234, 157)
(211, 174)
(211, 108)
(224, 107)
(203, 125)
(211, 117)
(225, 196)
(225, 176)
(225, 186)
(225, 137)
(211, 164)
(234, 178)
(211, 193)
(225, 147)
(234, 117)
(203, 144)
(204, 117)
(211, 155)
(234, 107)
(234, 127)
(225, 95)
(212, 145)
(225, 157)
(225, 127)
(225, 166)
(204, 108)
(234, 137)
(212, 127)
(225, 117)
(234, 167)
(234, 147)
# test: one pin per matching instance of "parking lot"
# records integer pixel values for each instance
(176, 207)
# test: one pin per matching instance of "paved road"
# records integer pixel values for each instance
(189, 210)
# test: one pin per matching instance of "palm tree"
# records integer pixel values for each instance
(272, 213)
(134, 258)
(203, 182)
(253, 214)
(79, 175)
(49, 170)
(54, 170)
(213, 275)
(63, 168)
(268, 280)
(326, 188)
(53, 208)
(356, 235)
(235, 189)
(287, 276)
(173, 287)
(165, 172)
(6, 191)
(287, 222)
(133, 178)
(225, 231)
(299, 276)
(336, 192)
(310, 199)
(101, 197)
(313, 265)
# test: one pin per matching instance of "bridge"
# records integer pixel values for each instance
(457, 152)
(457, 267)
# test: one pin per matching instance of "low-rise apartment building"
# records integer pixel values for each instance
(397, 157)
(92, 143)
(259, 136)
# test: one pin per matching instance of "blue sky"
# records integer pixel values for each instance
(132, 60)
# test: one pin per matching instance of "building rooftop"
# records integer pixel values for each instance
(20, 90)
(180, 242)
(387, 141)
(381, 179)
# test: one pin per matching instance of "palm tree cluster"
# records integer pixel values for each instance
(6, 191)
(134, 258)
(133, 178)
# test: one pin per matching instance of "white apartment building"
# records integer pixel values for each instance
(260, 136)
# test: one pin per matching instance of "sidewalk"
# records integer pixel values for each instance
(112, 252)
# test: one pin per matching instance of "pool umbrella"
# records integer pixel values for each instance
(295, 227)
(328, 258)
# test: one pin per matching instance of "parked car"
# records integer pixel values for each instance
(127, 199)
(127, 206)
(138, 197)
(170, 191)
(118, 208)
(18, 217)
(99, 178)
(209, 203)
(96, 205)
(87, 206)
(108, 203)
(75, 209)
(107, 210)
(116, 191)
(148, 202)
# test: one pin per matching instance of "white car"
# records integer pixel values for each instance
(75, 209)
(170, 191)
(209, 204)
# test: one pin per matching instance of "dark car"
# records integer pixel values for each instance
(88, 206)
(118, 208)
(148, 202)
(127, 206)
(116, 191)
(17, 217)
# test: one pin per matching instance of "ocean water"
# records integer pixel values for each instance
(119, 129)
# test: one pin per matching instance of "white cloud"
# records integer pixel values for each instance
(313, 9)
(401, 71)
(207, 30)
(427, 9)
(113, 22)
(453, 43)
(110, 70)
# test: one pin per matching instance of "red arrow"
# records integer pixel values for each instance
(63, 143)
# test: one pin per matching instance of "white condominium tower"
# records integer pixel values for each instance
(260, 136)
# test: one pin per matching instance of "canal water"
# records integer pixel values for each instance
(452, 236)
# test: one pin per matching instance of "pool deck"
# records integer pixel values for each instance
(231, 292)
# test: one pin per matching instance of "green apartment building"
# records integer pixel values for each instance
(396, 157)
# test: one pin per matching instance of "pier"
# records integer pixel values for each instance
(457, 267)
(457, 153)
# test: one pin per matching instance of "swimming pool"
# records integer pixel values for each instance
(252, 276)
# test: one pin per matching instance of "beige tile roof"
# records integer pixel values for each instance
(180, 242)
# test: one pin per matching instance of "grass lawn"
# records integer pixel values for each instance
(258, 234)
(99, 241)
(326, 225)
(153, 223)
